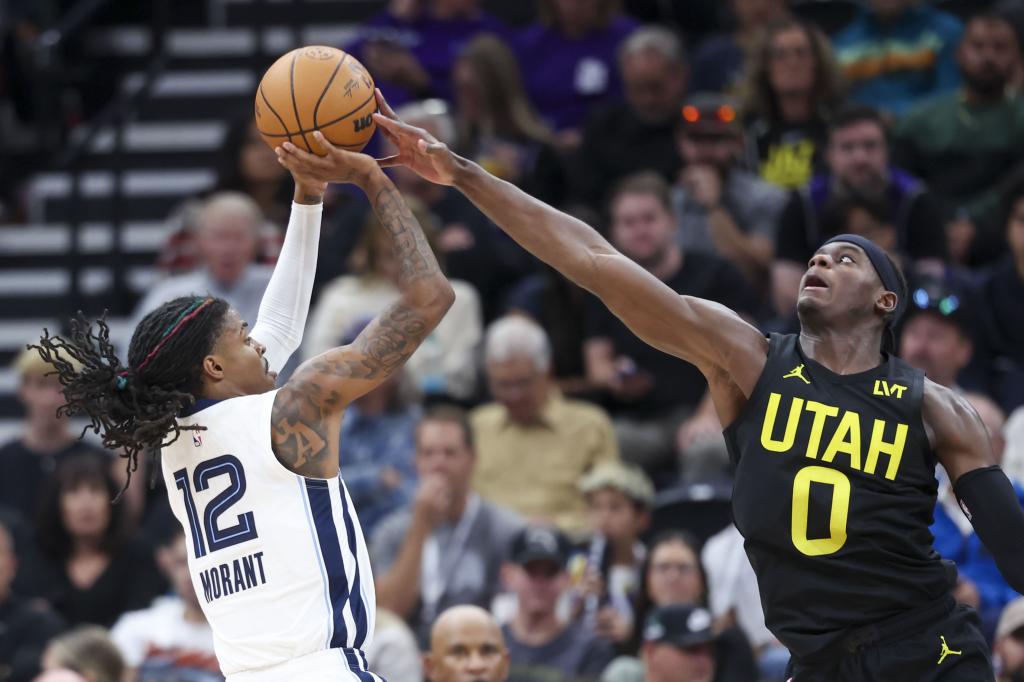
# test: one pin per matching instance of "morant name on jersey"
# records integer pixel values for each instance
(237, 575)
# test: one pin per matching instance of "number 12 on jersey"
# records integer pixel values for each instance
(837, 517)
(244, 528)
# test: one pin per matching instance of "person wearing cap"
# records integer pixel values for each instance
(651, 395)
(541, 645)
(827, 419)
(1009, 646)
(607, 576)
(721, 207)
(678, 646)
(937, 332)
(46, 437)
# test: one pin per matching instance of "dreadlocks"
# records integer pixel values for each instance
(134, 407)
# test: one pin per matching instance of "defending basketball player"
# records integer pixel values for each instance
(834, 439)
(275, 549)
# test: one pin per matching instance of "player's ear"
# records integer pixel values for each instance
(886, 302)
(213, 368)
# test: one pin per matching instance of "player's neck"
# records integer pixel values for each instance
(842, 351)
(536, 629)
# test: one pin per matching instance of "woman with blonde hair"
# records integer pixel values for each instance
(791, 86)
(87, 651)
(497, 126)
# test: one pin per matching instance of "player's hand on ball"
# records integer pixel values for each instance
(337, 165)
(418, 150)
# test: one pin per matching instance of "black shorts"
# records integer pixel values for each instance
(942, 646)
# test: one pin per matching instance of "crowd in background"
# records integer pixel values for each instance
(515, 463)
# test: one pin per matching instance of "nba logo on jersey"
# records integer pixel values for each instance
(197, 440)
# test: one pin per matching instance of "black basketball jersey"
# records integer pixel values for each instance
(834, 494)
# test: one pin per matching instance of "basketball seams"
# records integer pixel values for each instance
(295, 104)
(326, 124)
(320, 99)
(276, 115)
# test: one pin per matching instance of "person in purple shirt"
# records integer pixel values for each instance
(568, 60)
(410, 47)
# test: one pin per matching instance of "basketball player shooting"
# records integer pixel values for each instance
(275, 549)
(834, 439)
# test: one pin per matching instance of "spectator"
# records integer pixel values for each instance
(86, 650)
(171, 639)
(722, 208)
(610, 573)
(449, 547)
(444, 364)
(89, 570)
(466, 645)
(979, 583)
(678, 647)
(247, 166)
(936, 332)
(673, 575)
(229, 224)
(1009, 647)
(533, 444)
(1001, 293)
(377, 446)
(25, 627)
(858, 164)
(497, 125)
(966, 144)
(898, 52)
(46, 439)
(651, 393)
(410, 48)
(636, 134)
(394, 653)
(791, 88)
(734, 599)
(718, 60)
(568, 58)
(541, 646)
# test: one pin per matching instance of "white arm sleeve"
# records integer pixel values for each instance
(285, 303)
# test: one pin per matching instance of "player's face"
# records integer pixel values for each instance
(791, 62)
(1015, 231)
(858, 156)
(41, 395)
(642, 228)
(615, 516)
(988, 56)
(669, 663)
(442, 450)
(471, 650)
(227, 244)
(673, 576)
(840, 280)
(935, 346)
(240, 358)
(85, 509)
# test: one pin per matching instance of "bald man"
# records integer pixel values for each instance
(466, 645)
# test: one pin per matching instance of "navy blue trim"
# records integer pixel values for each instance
(330, 549)
(358, 607)
(198, 406)
(357, 664)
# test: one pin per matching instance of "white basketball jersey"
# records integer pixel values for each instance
(278, 560)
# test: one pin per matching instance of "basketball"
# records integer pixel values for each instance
(316, 88)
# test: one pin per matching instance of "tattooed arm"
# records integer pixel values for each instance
(307, 410)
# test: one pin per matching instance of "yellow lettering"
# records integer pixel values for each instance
(898, 390)
(837, 517)
(878, 446)
(821, 412)
(846, 440)
(768, 427)
(878, 388)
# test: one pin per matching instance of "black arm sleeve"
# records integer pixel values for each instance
(989, 501)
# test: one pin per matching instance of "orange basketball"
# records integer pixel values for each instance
(316, 88)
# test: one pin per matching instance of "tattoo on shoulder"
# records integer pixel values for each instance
(299, 427)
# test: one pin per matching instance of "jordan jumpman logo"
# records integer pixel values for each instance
(946, 651)
(797, 372)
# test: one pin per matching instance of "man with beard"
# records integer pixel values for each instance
(966, 144)
(466, 645)
(858, 164)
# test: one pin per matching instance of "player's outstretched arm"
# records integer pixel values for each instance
(699, 331)
(307, 410)
(961, 442)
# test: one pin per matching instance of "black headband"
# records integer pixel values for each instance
(883, 266)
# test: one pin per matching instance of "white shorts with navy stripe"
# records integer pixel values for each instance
(329, 665)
